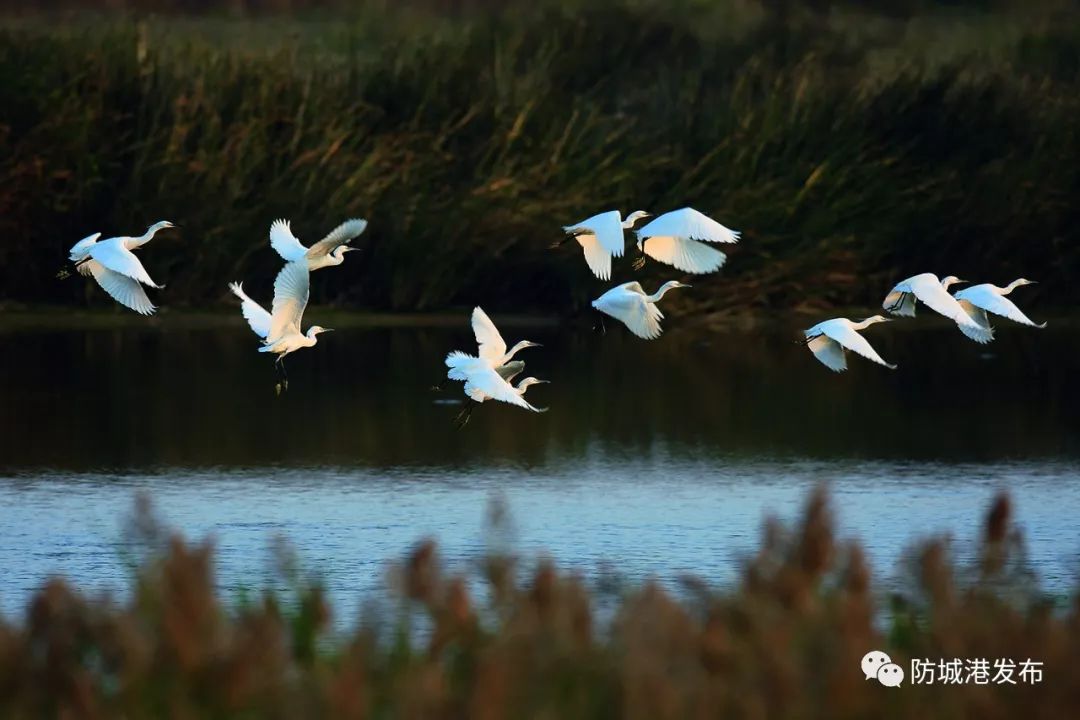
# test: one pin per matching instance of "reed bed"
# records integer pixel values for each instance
(527, 641)
(850, 149)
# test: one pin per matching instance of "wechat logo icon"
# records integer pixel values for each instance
(876, 664)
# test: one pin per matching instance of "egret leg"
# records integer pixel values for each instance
(640, 262)
(70, 269)
(899, 303)
(283, 377)
(462, 418)
(600, 325)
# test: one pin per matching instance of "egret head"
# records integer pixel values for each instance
(527, 344)
(161, 225)
(876, 319)
(529, 381)
(1023, 281)
(676, 284)
(338, 253)
(951, 280)
(318, 330)
(635, 216)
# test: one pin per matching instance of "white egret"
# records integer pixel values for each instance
(629, 304)
(115, 267)
(829, 341)
(484, 382)
(601, 237)
(492, 346)
(280, 329)
(978, 300)
(934, 293)
(678, 238)
(328, 251)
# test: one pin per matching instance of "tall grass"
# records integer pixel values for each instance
(846, 157)
(786, 642)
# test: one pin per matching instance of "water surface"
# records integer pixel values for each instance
(655, 459)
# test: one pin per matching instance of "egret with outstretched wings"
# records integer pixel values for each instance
(115, 267)
(829, 341)
(678, 238)
(629, 304)
(601, 237)
(328, 251)
(934, 294)
(280, 329)
(978, 300)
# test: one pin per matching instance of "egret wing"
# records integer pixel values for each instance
(985, 332)
(983, 297)
(608, 229)
(828, 352)
(687, 255)
(483, 378)
(284, 242)
(852, 340)
(510, 370)
(638, 314)
(114, 256)
(688, 223)
(492, 345)
(457, 363)
(253, 312)
(291, 289)
(596, 257)
(124, 290)
(928, 289)
(341, 235)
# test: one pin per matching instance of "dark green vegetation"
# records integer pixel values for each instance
(786, 642)
(851, 149)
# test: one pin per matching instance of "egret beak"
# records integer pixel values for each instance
(543, 382)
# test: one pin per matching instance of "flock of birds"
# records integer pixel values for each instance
(682, 238)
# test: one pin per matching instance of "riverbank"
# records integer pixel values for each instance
(850, 150)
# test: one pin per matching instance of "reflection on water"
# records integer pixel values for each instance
(175, 396)
(659, 457)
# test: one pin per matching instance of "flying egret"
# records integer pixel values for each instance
(601, 237)
(678, 238)
(629, 304)
(280, 329)
(978, 300)
(484, 382)
(492, 346)
(328, 251)
(830, 340)
(115, 267)
(935, 294)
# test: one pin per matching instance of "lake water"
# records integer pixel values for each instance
(655, 459)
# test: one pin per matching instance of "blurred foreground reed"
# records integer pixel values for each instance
(786, 642)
